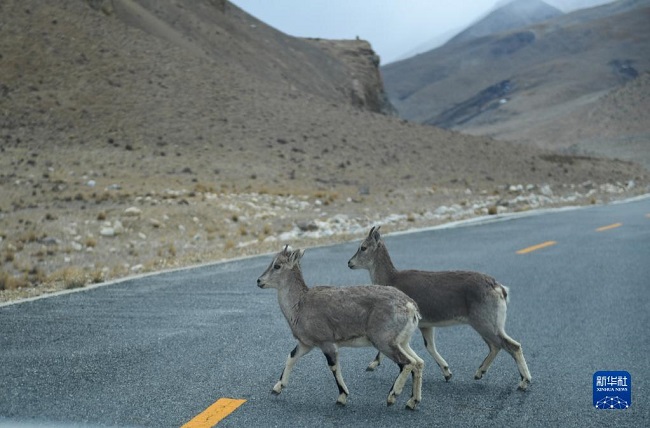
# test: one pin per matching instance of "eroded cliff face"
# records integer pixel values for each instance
(342, 71)
(366, 88)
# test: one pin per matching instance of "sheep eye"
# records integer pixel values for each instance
(364, 248)
(276, 266)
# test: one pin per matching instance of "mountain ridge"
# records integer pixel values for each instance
(511, 15)
(506, 85)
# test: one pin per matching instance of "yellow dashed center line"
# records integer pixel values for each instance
(537, 247)
(608, 227)
(215, 413)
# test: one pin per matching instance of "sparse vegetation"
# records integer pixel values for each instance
(11, 282)
(229, 245)
(10, 256)
(70, 277)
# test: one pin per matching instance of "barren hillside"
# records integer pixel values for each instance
(616, 125)
(127, 150)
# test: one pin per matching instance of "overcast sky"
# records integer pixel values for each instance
(395, 28)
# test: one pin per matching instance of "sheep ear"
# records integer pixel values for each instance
(296, 255)
(375, 233)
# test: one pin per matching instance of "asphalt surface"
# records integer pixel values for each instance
(158, 350)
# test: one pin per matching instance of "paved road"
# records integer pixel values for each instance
(157, 351)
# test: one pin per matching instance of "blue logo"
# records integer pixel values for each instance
(612, 390)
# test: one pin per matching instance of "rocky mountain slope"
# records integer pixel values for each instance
(136, 136)
(517, 85)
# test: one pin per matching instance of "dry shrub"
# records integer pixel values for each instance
(97, 276)
(326, 197)
(167, 251)
(71, 277)
(10, 282)
(28, 237)
(204, 188)
(35, 275)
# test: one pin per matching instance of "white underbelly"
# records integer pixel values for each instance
(443, 323)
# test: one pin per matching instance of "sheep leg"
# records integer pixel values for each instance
(487, 362)
(514, 348)
(407, 364)
(374, 363)
(430, 344)
(418, 368)
(300, 350)
(332, 354)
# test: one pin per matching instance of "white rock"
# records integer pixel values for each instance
(76, 246)
(137, 268)
(132, 212)
(610, 188)
(118, 228)
(107, 231)
(546, 190)
(441, 210)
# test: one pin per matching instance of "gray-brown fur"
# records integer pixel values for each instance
(446, 298)
(331, 317)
